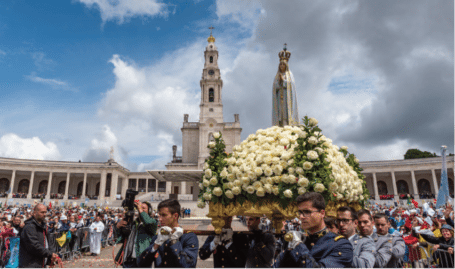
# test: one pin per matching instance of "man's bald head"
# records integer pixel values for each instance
(39, 212)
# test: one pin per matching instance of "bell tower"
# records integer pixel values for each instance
(211, 106)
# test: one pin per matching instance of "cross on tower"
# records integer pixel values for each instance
(211, 28)
(285, 46)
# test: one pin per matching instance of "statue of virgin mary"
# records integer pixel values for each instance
(285, 110)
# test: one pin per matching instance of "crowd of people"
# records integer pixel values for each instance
(377, 236)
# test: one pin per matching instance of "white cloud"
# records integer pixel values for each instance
(2, 52)
(122, 10)
(54, 83)
(13, 146)
(100, 147)
(41, 61)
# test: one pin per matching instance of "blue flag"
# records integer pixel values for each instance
(443, 194)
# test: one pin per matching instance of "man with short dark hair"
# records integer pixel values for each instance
(261, 245)
(170, 247)
(33, 248)
(321, 248)
(382, 224)
(364, 247)
(382, 243)
(18, 225)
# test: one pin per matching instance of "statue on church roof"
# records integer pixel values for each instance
(285, 110)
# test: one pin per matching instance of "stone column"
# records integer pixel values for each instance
(103, 184)
(375, 183)
(147, 185)
(414, 185)
(394, 184)
(67, 185)
(13, 178)
(83, 186)
(30, 186)
(114, 182)
(435, 183)
(124, 187)
(156, 185)
(137, 184)
(168, 187)
(49, 185)
(183, 186)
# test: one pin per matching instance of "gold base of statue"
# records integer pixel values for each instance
(220, 213)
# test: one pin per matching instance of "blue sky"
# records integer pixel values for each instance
(80, 76)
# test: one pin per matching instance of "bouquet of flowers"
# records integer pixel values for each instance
(278, 164)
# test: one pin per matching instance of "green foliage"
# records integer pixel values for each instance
(417, 154)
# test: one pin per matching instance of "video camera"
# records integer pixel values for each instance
(128, 205)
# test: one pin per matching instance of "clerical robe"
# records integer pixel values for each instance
(96, 230)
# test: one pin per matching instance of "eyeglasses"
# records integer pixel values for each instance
(305, 213)
(340, 221)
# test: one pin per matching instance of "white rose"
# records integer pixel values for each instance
(299, 170)
(339, 196)
(212, 145)
(344, 148)
(260, 192)
(236, 190)
(291, 170)
(268, 171)
(333, 187)
(217, 191)
(207, 196)
(237, 183)
(268, 188)
(213, 181)
(307, 165)
(288, 193)
(303, 182)
(224, 173)
(250, 189)
(245, 180)
(229, 194)
(312, 155)
(301, 190)
(200, 204)
(206, 183)
(292, 179)
(277, 170)
(302, 134)
(257, 185)
(276, 179)
(201, 186)
(312, 140)
(361, 197)
(269, 180)
(319, 187)
(356, 160)
(275, 190)
(208, 173)
(312, 122)
(285, 178)
(258, 171)
(216, 135)
(206, 165)
(230, 177)
(319, 150)
(230, 185)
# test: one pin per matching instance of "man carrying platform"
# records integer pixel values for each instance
(261, 245)
(229, 249)
(170, 247)
(321, 248)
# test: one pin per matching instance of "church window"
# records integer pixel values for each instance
(23, 186)
(211, 59)
(382, 188)
(4, 185)
(42, 187)
(423, 186)
(402, 187)
(211, 95)
(211, 109)
(61, 187)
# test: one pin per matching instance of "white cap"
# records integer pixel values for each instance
(63, 217)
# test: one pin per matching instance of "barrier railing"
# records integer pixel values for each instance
(443, 258)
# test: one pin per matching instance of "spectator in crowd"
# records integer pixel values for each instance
(139, 237)
(170, 247)
(33, 251)
(18, 225)
(330, 223)
(382, 243)
(64, 227)
(364, 248)
(96, 230)
(446, 243)
(320, 248)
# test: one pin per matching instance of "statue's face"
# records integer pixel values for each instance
(282, 67)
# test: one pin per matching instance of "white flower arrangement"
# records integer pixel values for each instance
(280, 163)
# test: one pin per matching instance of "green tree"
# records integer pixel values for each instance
(417, 154)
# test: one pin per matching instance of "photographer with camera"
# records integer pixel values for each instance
(137, 235)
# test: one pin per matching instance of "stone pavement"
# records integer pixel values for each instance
(105, 259)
